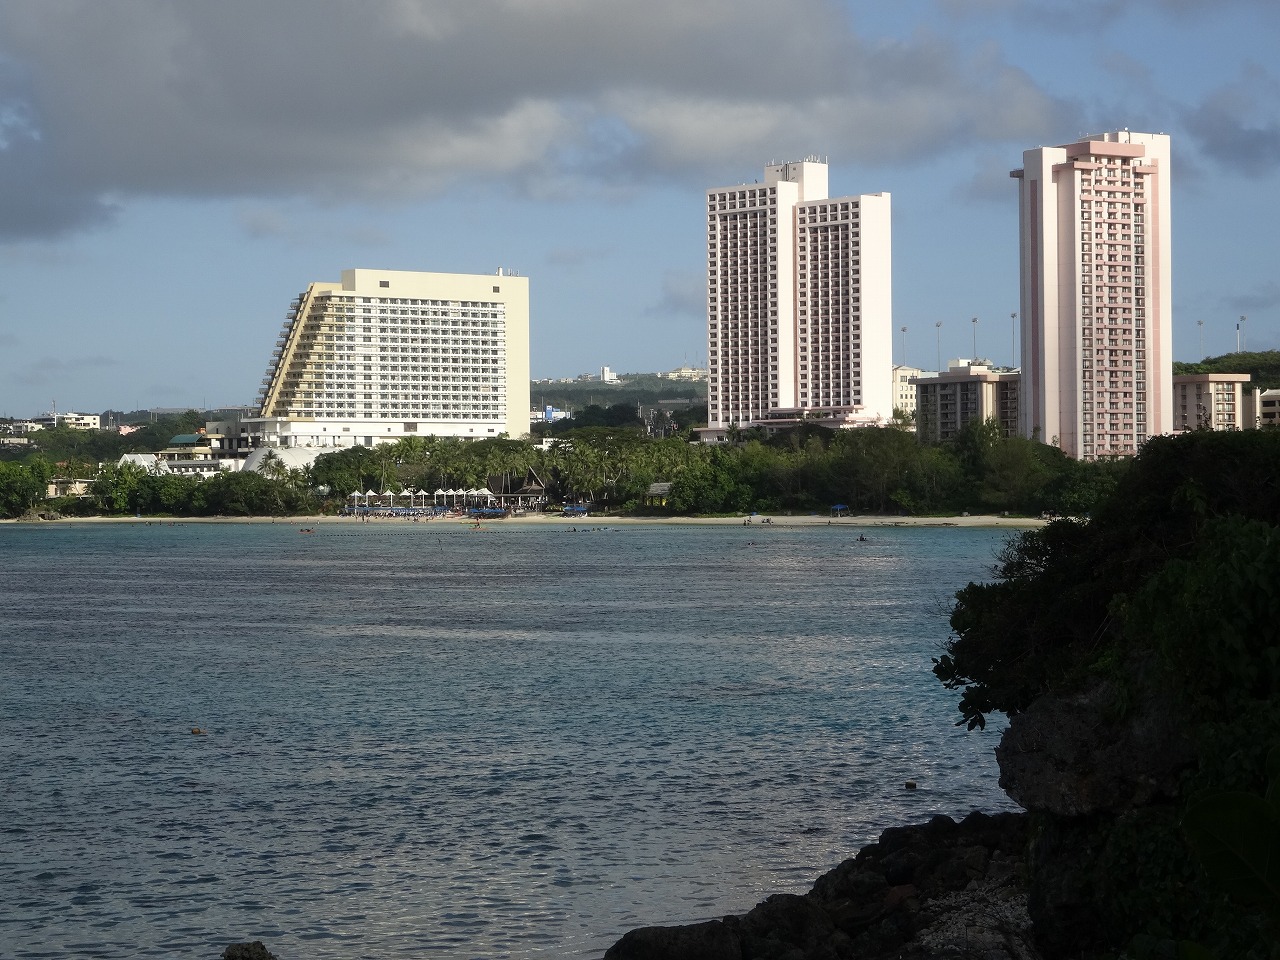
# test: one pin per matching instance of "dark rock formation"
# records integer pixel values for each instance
(937, 889)
(1080, 755)
(248, 951)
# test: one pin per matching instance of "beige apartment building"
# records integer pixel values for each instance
(904, 387)
(799, 302)
(385, 354)
(1096, 305)
(966, 391)
(1212, 401)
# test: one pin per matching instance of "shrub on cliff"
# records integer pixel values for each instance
(1155, 623)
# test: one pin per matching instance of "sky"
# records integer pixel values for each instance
(173, 174)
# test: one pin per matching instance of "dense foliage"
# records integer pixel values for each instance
(1263, 366)
(79, 451)
(1169, 595)
(810, 469)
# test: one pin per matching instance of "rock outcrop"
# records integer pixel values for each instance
(1079, 755)
(937, 889)
(255, 950)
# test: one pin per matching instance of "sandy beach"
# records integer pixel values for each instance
(596, 520)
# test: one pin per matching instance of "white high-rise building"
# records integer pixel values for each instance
(799, 302)
(387, 353)
(1097, 321)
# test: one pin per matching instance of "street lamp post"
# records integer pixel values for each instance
(1013, 339)
(1200, 324)
(938, 327)
(904, 345)
(1240, 334)
(974, 321)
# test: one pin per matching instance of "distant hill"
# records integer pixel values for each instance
(631, 388)
(1264, 367)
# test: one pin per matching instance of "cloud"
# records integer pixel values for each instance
(577, 256)
(1263, 298)
(48, 370)
(326, 100)
(1238, 125)
(990, 182)
(267, 222)
(1090, 14)
(684, 294)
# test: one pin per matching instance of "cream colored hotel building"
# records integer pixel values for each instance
(385, 354)
(1096, 309)
(799, 302)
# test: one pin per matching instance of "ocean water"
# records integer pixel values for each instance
(427, 740)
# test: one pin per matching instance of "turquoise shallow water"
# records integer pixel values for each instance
(427, 740)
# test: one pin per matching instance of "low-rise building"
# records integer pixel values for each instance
(904, 388)
(685, 372)
(966, 391)
(76, 421)
(191, 454)
(1210, 401)
(1262, 408)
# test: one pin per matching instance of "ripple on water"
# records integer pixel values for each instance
(517, 745)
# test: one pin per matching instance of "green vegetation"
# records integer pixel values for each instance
(79, 451)
(1264, 367)
(1168, 599)
(612, 465)
(632, 389)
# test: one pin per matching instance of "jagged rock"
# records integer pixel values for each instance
(248, 951)
(937, 889)
(713, 940)
(1077, 756)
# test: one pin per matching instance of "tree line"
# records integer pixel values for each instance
(806, 469)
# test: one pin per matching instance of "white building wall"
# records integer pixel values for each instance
(435, 354)
(1094, 221)
(799, 299)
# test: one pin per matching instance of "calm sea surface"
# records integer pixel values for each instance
(428, 740)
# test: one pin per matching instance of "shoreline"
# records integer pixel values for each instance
(864, 521)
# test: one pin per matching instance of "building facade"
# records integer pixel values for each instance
(966, 391)
(799, 302)
(1097, 322)
(1211, 401)
(904, 387)
(1262, 408)
(385, 354)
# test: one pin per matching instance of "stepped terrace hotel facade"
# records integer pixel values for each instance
(385, 354)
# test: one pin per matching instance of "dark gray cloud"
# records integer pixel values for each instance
(328, 99)
(1239, 125)
(1090, 14)
(1264, 298)
(58, 370)
(684, 294)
